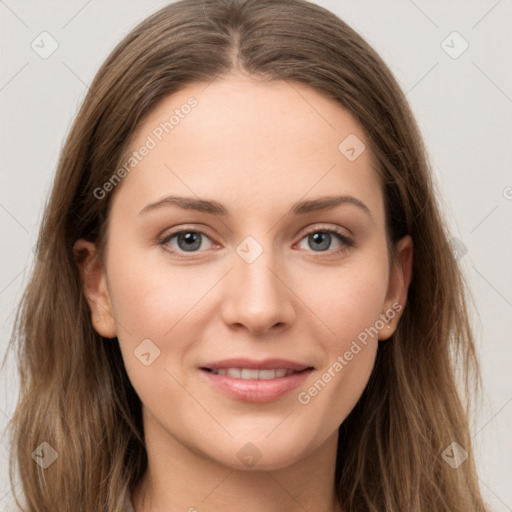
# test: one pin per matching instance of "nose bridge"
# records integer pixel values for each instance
(255, 295)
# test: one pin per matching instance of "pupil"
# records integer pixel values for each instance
(322, 240)
(191, 239)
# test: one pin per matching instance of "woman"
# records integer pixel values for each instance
(245, 296)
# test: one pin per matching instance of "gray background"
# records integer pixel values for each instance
(463, 106)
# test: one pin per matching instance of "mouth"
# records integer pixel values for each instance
(257, 382)
(254, 374)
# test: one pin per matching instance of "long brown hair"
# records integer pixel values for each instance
(75, 394)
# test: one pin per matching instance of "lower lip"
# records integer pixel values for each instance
(256, 390)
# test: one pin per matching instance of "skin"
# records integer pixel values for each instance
(257, 148)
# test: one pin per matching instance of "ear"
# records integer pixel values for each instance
(94, 282)
(399, 280)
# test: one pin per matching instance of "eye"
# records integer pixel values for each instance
(186, 240)
(193, 241)
(320, 240)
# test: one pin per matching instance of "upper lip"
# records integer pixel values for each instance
(266, 364)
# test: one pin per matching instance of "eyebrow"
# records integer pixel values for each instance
(216, 208)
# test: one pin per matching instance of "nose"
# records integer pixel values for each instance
(257, 296)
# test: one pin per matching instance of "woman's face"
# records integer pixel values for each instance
(250, 269)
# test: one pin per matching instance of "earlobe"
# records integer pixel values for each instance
(399, 280)
(93, 278)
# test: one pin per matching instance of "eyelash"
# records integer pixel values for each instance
(346, 241)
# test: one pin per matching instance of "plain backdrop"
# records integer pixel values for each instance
(459, 86)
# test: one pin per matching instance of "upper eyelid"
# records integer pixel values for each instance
(324, 227)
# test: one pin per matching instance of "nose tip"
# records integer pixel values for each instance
(256, 298)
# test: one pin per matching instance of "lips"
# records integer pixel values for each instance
(255, 381)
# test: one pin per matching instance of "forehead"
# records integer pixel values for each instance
(244, 141)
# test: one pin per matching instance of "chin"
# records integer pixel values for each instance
(262, 455)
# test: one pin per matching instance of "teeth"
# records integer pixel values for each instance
(253, 374)
(272, 374)
(233, 372)
(249, 374)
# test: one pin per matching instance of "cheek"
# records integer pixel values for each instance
(154, 310)
(349, 301)
(149, 300)
(349, 304)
